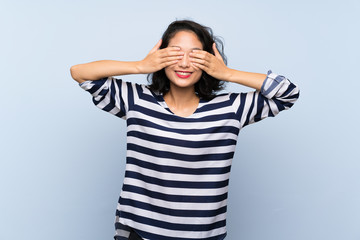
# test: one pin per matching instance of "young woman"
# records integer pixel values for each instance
(181, 135)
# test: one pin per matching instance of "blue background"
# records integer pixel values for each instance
(294, 177)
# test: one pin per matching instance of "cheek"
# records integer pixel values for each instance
(198, 74)
(167, 71)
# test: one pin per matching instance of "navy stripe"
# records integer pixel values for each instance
(290, 88)
(270, 113)
(183, 170)
(259, 108)
(111, 103)
(97, 85)
(279, 104)
(120, 237)
(214, 106)
(161, 237)
(241, 108)
(176, 184)
(102, 95)
(150, 98)
(122, 227)
(172, 226)
(250, 110)
(122, 103)
(182, 143)
(139, 89)
(152, 105)
(130, 98)
(172, 117)
(174, 198)
(218, 129)
(184, 157)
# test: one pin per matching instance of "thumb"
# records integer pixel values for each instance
(156, 47)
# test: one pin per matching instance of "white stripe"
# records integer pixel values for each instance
(236, 103)
(174, 233)
(255, 108)
(169, 218)
(117, 96)
(265, 111)
(184, 125)
(186, 137)
(173, 205)
(122, 233)
(217, 99)
(178, 176)
(248, 102)
(124, 95)
(180, 150)
(218, 111)
(160, 108)
(179, 163)
(176, 191)
(273, 107)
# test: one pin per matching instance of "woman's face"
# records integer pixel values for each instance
(183, 74)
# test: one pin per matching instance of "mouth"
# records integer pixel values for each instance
(183, 74)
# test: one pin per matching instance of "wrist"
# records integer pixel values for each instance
(228, 75)
(138, 67)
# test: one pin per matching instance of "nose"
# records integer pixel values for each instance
(185, 61)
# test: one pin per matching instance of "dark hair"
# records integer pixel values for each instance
(207, 85)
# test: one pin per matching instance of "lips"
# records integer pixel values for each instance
(183, 74)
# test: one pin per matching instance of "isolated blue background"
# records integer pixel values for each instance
(294, 177)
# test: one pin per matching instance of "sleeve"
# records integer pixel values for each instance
(110, 94)
(277, 93)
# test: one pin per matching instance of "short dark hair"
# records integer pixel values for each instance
(207, 85)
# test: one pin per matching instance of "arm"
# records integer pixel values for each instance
(215, 66)
(253, 80)
(154, 61)
(100, 69)
(274, 92)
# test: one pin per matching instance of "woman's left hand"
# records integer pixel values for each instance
(212, 65)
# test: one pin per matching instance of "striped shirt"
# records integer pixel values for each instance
(177, 168)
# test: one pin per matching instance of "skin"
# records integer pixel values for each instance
(181, 98)
(184, 53)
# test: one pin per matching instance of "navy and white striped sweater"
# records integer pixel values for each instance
(177, 168)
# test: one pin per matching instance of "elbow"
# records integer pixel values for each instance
(74, 71)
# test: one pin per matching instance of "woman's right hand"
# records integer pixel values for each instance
(159, 59)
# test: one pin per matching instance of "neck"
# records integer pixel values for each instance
(181, 96)
(182, 101)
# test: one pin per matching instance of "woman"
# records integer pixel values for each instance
(181, 136)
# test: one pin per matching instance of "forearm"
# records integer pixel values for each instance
(103, 68)
(253, 80)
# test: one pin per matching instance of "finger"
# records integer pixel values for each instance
(199, 61)
(194, 66)
(171, 51)
(171, 58)
(156, 47)
(200, 66)
(198, 54)
(173, 48)
(168, 63)
(202, 55)
(217, 53)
